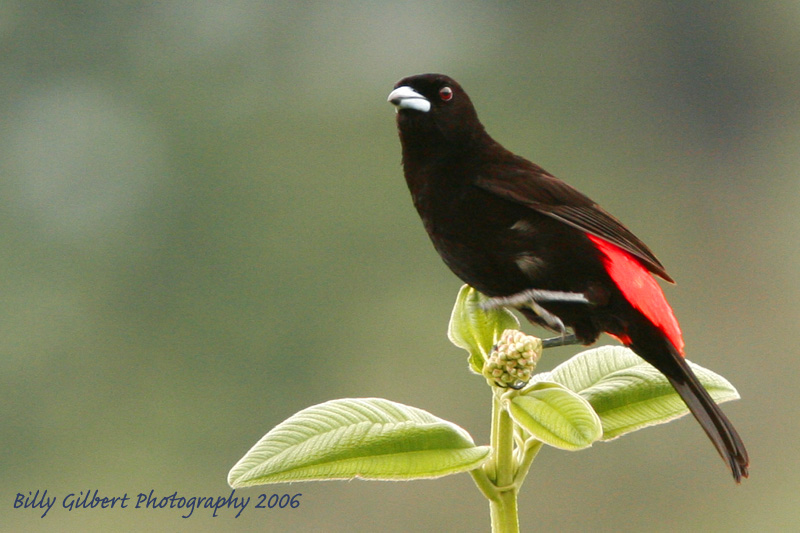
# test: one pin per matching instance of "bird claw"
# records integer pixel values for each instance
(552, 321)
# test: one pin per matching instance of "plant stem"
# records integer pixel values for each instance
(503, 505)
(504, 444)
(504, 512)
(484, 484)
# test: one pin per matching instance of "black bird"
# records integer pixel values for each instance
(523, 237)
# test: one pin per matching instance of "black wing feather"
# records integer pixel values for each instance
(565, 203)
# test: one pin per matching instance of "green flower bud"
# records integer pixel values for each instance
(513, 359)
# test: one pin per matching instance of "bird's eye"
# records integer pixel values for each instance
(446, 94)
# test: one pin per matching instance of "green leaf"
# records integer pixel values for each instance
(556, 416)
(476, 330)
(367, 438)
(628, 393)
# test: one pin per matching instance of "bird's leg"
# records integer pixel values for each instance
(531, 298)
(535, 295)
(561, 340)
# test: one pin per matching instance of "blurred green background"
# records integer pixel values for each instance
(205, 229)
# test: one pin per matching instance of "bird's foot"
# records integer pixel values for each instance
(531, 298)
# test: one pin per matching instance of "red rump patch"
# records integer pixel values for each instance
(640, 289)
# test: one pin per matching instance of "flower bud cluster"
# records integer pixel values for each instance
(513, 359)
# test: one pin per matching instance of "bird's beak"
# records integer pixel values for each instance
(407, 98)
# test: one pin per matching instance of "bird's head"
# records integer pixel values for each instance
(434, 107)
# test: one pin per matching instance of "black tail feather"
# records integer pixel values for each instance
(659, 352)
(713, 421)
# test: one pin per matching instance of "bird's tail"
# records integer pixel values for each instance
(659, 352)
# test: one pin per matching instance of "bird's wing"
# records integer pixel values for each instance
(536, 189)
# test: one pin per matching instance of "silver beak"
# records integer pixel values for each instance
(407, 98)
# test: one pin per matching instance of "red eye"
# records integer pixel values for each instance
(446, 94)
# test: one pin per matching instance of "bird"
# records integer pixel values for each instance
(527, 239)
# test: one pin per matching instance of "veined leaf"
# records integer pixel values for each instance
(556, 416)
(367, 438)
(476, 330)
(627, 392)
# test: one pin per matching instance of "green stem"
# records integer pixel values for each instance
(503, 442)
(501, 477)
(504, 512)
(504, 505)
(532, 447)
(485, 484)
